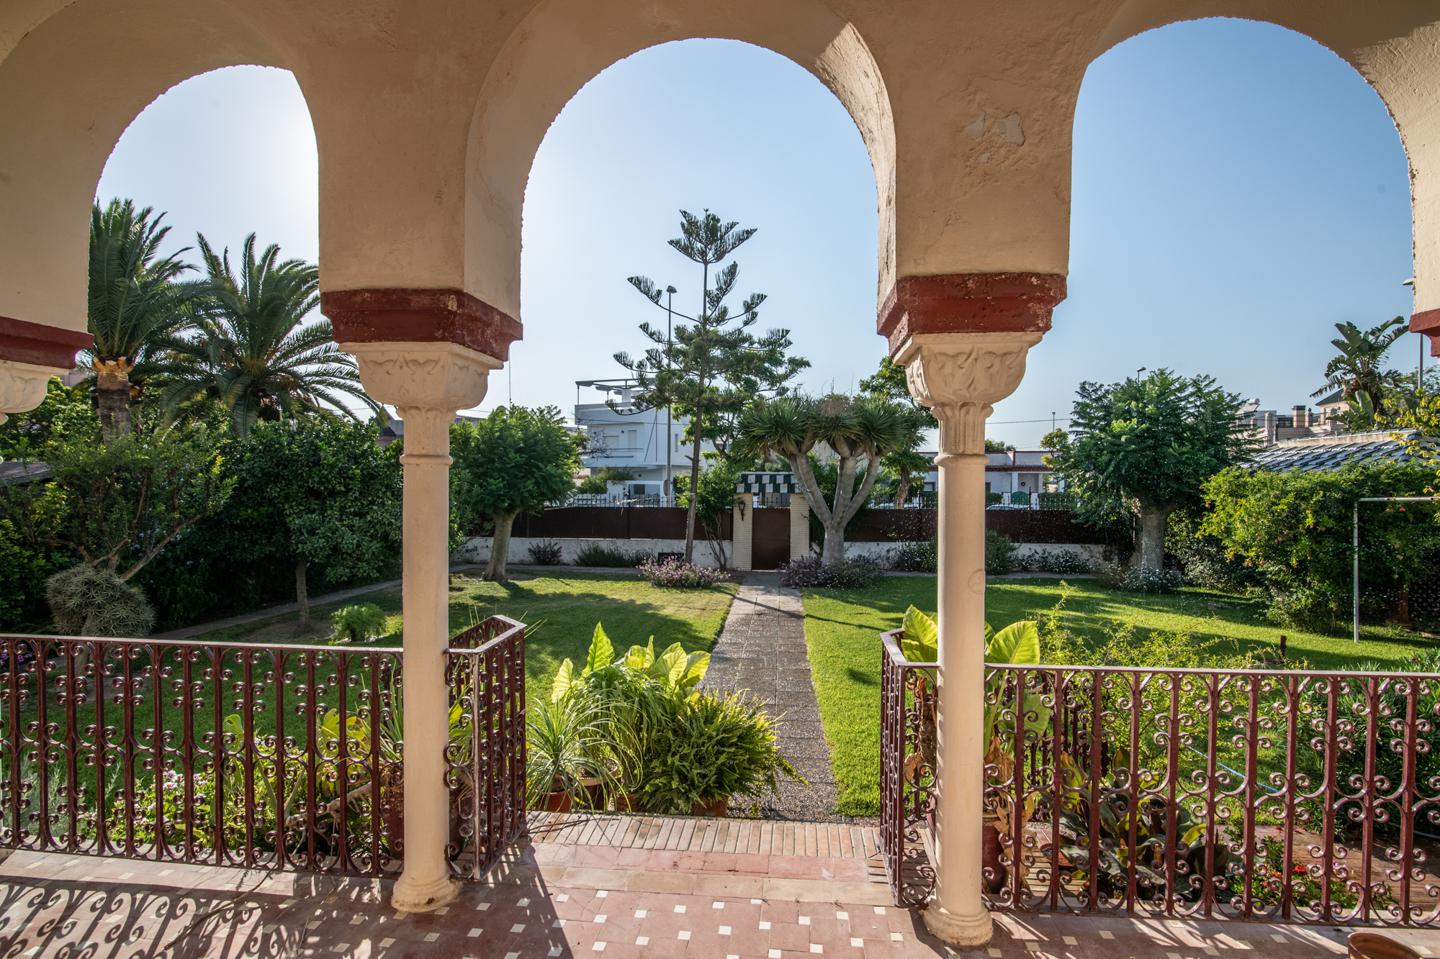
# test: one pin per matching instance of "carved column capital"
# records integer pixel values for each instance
(22, 386)
(960, 375)
(428, 382)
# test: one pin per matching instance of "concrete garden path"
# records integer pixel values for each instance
(762, 649)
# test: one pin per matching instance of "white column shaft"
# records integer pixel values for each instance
(425, 591)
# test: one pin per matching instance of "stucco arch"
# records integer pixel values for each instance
(563, 44)
(68, 90)
(1394, 45)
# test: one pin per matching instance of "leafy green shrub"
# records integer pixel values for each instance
(852, 572)
(359, 623)
(916, 557)
(598, 554)
(1293, 529)
(709, 747)
(1139, 580)
(546, 553)
(1066, 562)
(677, 574)
(90, 601)
(23, 571)
(999, 553)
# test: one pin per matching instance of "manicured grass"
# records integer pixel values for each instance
(842, 629)
(561, 607)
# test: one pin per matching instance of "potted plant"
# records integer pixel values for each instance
(567, 752)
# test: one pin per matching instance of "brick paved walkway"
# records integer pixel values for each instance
(762, 649)
(586, 886)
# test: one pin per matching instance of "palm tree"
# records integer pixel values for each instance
(1357, 370)
(253, 351)
(858, 430)
(134, 305)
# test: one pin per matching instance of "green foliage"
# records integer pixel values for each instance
(317, 491)
(92, 601)
(66, 413)
(24, 567)
(711, 747)
(916, 557)
(599, 480)
(252, 350)
(610, 557)
(568, 746)
(858, 430)
(999, 553)
(850, 572)
(712, 364)
(675, 573)
(117, 506)
(359, 623)
(547, 553)
(1358, 371)
(1294, 530)
(514, 460)
(1140, 579)
(1146, 446)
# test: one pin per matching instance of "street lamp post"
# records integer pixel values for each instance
(669, 430)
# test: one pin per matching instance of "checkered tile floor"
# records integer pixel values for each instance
(563, 898)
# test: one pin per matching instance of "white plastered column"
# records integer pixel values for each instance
(429, 383)
(799, 526)
(958, 376)
(22, 386)
(742, 540)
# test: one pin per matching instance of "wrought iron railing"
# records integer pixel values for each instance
(907, 771)
(1309, 797)
(232, 754)
(486, 754)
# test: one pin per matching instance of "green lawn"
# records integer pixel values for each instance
(842, 630)
(561, 607)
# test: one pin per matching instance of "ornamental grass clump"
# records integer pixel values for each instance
(359, 623)
(675, 573)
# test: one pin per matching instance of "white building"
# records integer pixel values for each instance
(1009, 473)
(620, 437)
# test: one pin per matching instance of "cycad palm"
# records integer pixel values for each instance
(134, 305)
(253, 352)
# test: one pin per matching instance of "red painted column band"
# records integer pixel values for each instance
(1428, 322)
(420, 316)
(970, 303)
(39, 345)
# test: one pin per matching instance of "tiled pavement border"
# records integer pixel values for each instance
(762, 649)
(101, 908)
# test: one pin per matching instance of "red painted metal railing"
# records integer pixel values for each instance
(1309, 797)
(485, 757)
(907, 772)
(276, 757)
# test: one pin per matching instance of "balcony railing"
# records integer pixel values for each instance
(1276, 796)
(230, 754)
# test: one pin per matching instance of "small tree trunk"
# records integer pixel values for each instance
(498, 570)
(902, 490)
(1152, 536)
(302, 595)
(694, 496)
(112, 399)
(834, 549)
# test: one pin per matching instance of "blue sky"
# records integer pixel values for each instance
(1237, 190)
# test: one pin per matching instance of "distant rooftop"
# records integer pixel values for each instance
(1313, 453)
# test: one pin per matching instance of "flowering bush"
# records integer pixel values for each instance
(1139, 580)
(853, 572)
(677, 574)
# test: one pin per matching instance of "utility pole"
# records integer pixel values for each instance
(669, 429)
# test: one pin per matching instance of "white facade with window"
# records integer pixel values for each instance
(620, 437)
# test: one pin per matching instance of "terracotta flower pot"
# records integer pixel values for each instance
(555, 802)
(712, 807)
(1373, 945)
(995, 871)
